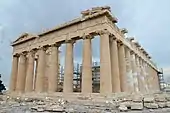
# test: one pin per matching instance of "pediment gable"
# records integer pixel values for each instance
(24, 37)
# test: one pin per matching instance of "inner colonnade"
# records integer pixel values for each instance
(124, 65)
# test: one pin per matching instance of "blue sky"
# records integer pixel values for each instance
(147, 20)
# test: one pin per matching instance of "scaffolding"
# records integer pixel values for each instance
(161, 80)
(78, 75)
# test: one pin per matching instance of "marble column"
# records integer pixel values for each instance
(142, 76)
(115, 65)
(105, 63)
(138, 73)
(30, 72)
(69, 67)
(87, 65)
(134, 71)
(122, 67)
(41, 70)
(130, 83)
(21, 73)
(14, 71)
(53, 69)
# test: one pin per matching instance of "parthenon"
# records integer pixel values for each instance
(124, 64)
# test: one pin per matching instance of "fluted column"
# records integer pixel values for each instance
(142, 76)
(122, 67)
(21, 73)
(14, 71)
(87, 65)
(53, 69)
(105, 63)
(134, 72)
(40, 70)
(115, 65)
(130, 83)
(69, 67)
(30, 72)
(138, 73)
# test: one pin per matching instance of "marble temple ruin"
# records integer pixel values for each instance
(124, 65)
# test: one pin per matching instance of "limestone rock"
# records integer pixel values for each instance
(151, 105)
(137, 99)
(136, 106)
(148, 99)
(161, 104)
(168, 104)
(54, 108)
(122, 108)
(160, 99)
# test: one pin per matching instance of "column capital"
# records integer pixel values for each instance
(55, 45)
(70, 41)
(24, 53)
(16, 55)
(112, 37)
(87, 36)
(45, 47)
(102, 32)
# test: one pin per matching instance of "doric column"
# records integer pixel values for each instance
(69, 67)
(142, 76)
(114, 65)
(30, 72)
(105, 63)
(40, 70)
(130, 83)
(138, 73)
(87, 65)
(53, 69)
(122, 67)
(21, 73)
(14, 71)
(134, 72)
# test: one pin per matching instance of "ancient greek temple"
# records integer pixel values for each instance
(124, 65)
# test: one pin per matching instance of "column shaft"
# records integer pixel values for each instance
(14, 71)
(115, 66)
(40, 71)
(122, 68)
(53, 70)
(134, 72)
(138, 74)
(105, 64)
(30, 73)
(87, 66)
(69, 67)
(21, 74)
(130, 83)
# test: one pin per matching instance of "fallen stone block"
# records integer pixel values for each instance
(160, 99)
(161, 104)
(151, 105)
(122, 108)
(149, 99)
(54, 108)
(136, 106)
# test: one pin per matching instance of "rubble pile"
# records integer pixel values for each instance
(85, 104)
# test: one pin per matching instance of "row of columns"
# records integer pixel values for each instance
(121, 70)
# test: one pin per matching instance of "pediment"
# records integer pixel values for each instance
(24, 37)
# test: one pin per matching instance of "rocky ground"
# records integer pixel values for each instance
(155, 103)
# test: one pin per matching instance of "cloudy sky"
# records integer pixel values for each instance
(147, 20)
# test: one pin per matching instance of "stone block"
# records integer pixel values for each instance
(149, 99)
(168, 104)
(160, 99)
(137, 99)
(123, 108)
(161, 104)
(151, 105)
(136, 106)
